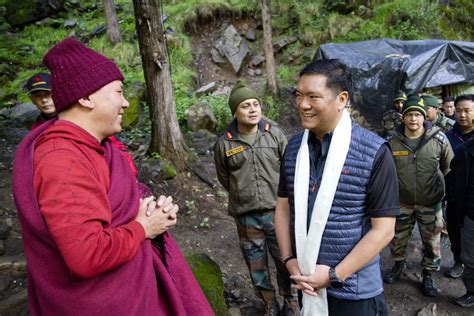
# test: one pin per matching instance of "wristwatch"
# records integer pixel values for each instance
(334, 281)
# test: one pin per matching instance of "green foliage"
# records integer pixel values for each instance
(209, 277)
(287, 74)
(313, 21)
(187, 15)
(457, 21)
(20, 58)
(221, 110)
(401, 19)
(183, 100)
(21, 52)
(169, 171)
(205, 223)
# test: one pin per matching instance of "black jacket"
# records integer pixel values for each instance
(460, 186)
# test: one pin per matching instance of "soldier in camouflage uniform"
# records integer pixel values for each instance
(434, 114)
(392, 118)
(422, 154)
(247, 161)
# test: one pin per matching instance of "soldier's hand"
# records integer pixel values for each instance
(399, 117)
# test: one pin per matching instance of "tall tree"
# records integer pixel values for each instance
(113, 29)
(166, 137)
(268, 48)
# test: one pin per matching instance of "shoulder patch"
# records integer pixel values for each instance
(441, 137)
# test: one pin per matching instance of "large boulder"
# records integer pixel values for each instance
(209, 276)
(21, 115)
(233, 47)
(200, 116)
(20, 13)
(201, 141)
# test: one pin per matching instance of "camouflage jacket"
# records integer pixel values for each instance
(390, 121)
(443, 122)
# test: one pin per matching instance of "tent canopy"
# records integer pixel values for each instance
(381, 67)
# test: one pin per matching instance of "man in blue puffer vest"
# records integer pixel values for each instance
(361, 209)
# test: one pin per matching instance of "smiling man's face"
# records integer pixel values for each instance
(319, 107)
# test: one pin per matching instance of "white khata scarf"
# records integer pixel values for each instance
(308, 244)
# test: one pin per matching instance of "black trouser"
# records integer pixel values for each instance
(467, 244)
(374, 306)
(454, 231)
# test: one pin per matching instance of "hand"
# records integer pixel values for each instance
(399, 117)
(158, 220)
(317, 280)
(294, 270)
(165, 204)
(148, 204)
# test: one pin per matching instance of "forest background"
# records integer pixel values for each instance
(28, 28)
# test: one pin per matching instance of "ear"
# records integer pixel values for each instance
(86, 102)
(342, 100)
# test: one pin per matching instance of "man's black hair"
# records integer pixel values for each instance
(337, 74)
(464, 97)
(448, 98)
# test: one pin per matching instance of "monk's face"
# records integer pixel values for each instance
(109, 105)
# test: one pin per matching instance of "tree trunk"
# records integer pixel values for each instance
(166, 137)
(268, 48)
(113, 29)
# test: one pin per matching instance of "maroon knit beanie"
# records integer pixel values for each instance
(77, 71)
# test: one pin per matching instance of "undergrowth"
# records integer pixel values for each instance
(314, 22)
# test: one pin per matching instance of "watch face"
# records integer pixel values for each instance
(337, 284)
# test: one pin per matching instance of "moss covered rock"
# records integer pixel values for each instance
(20, 13)
(209, 276)
(134, 96)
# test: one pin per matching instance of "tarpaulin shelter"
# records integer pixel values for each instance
(381, 67)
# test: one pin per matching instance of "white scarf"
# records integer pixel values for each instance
(308, 244)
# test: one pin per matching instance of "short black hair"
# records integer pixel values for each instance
(464, 97)
(448, 98)
(337, 74)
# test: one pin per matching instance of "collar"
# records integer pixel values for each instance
(233, 131)
(426, 124)
(457, 129)
(47, 118)
(312, 139)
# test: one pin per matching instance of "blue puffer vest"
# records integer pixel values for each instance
(348, 221)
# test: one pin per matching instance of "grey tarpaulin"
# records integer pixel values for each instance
(381, 67)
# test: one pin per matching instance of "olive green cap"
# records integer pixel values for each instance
(431, 100)
(400, 96)
(414, 103)
(240, 93)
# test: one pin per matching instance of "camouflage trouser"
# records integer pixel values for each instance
(430, 224)
(257, 238)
